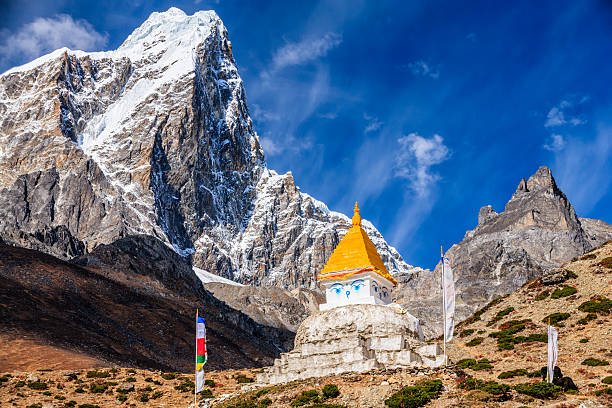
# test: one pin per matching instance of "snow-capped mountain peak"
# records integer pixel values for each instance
(155, 138)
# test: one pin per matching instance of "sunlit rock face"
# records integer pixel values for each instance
(537, 231)
(354, 338)
(156, 138)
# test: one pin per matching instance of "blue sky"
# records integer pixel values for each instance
(423, 111)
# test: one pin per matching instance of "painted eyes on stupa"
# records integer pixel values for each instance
(357, 284)
(337, 288)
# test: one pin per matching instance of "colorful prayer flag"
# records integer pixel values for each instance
(553, 352)
(201, 354)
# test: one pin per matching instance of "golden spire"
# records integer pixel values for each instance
(354, 253)
(356, 217)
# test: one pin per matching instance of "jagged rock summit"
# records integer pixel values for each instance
(353, 338)
(537, 231)
(155, 138)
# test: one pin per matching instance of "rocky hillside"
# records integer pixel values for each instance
(129, 303)
(511, 332)
(537, 231)
(155, 138)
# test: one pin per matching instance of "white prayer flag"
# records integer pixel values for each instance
(553, 351)
(449, 299)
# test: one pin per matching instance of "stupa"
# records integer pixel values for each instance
(357, 329)
(355, 274)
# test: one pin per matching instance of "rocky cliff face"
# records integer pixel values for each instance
(537, 231)
(155, 139)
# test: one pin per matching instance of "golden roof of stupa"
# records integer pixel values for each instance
(354, 254)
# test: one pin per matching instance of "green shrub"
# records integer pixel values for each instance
(88, 406)
(563, 292)
(330, 391)
(472, 364)
(60, 397)
(542, 295)
(500, 315)
(185, 386)
(597, 305)
(206, 393)
(323, 405)
(44, 370)
(606, 262)
(148, 379)
(594, 362)
(209, 383)
(499, 391)
(415, 396)
(34, 406)
(474, 342)
(98, 374)
(586, 319)
(168, 376)
(148, 388)
(584, 340)
(466, 332)
(157, 394)
(131, 371)
(71, 403)
(98, 388)
(144, 398)
(262, 391)
(306, 397)
(607, 380)
(243, 379)
(476, 316)
(47, 393)
(122, 397)
(605, 391)
(588, 256)
(556, 318)
(266, 402)
(541, 390)
(465, 363)
(79, 390)
(513, 373)
(19, 384)
(130, 379)
(37, 385)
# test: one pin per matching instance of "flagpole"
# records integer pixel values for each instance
(547, 348)
(443, 305)
(195, 386)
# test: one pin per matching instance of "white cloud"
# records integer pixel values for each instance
(556, 143)
(583, 169)
(424, 69)
(416, 157)
(47, 34)
(373, 124)
(555, 117)
(269, 147)
(305, 51)
(564, 113)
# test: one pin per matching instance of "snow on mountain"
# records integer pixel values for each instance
(156, 138)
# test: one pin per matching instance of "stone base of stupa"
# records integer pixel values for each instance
(354, 338)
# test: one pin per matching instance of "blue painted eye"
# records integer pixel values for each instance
(357, 284)
(336, 289)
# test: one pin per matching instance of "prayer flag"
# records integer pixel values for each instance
(553, 351)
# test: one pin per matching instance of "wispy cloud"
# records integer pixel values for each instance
(47, 34)
(423, 69)
(585, 156)
(565, 112)
(372, 123)
(555, 143)
(415, 158)
(297, 53)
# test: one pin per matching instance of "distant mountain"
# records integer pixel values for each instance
(538, 230)
(130, 303)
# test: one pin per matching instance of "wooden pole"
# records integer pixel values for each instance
(443, 305)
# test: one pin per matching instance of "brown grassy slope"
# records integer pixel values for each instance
(593, 279)
(131, 304)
